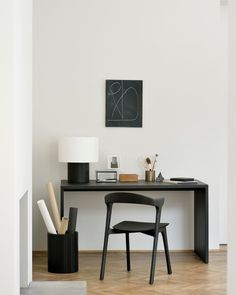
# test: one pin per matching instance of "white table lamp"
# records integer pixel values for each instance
(78, 152)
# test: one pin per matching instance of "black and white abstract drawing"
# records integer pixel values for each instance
(124, 99)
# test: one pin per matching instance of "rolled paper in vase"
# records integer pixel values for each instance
(64, 226)
(53, 202)
(46, 217)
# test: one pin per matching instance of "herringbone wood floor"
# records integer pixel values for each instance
(190, 276)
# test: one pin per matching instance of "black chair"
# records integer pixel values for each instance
(127, 227)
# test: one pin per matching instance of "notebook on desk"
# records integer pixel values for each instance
(182, 179)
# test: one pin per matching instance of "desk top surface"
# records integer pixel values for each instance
(140, 185)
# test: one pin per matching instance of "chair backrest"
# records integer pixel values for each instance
(131, 198)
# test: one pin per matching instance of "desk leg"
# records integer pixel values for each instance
(201, 246)
(62, 203)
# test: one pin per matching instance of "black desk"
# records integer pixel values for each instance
(200, 203)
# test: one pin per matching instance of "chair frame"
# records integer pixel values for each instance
(131, 198)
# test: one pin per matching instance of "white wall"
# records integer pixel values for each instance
(174, 47)
(8, 273)
(15, 128)
(232, 150)
(223, 237)
(23, 129)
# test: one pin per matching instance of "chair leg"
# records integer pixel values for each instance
(153, 263)
(167, 254)
(127, 251)
(104, 255)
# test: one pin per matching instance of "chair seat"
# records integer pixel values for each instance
(135, 226)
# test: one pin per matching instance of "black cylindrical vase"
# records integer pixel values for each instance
(78, 172)
(63, 253)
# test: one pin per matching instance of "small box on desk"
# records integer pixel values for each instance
(128, 177)
(63, 253)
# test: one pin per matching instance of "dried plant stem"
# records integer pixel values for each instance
(154, 163)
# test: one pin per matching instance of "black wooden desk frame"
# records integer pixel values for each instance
(200, 189)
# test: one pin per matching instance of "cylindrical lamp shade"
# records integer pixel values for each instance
(78, 149)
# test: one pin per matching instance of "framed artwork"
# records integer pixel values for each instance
(113, 162)
(124, 103)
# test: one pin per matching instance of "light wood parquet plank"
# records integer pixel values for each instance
(190, 276)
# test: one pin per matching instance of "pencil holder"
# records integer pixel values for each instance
(63, 253)
(150, 175)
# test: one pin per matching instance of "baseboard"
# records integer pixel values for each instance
(44, 252)
(132, 251)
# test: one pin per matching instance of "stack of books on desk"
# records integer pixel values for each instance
(180, 180)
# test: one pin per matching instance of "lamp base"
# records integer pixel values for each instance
(78, 172)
